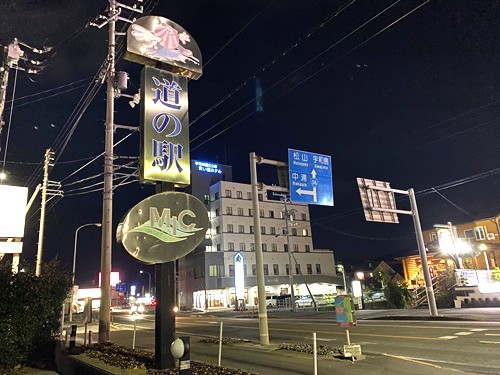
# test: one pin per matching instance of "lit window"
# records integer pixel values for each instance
(480, 233)
(305, 232)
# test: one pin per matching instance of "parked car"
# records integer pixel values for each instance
(321, 300)
(271, 301)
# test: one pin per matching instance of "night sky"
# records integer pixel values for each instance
(398, 91)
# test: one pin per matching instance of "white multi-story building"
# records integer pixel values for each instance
(207, 276)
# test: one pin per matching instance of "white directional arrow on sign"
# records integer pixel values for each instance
(308, 192)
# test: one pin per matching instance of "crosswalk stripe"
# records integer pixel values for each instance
(448, 337)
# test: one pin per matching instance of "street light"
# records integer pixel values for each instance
(76, 240)
(74, 264)
(149, 280)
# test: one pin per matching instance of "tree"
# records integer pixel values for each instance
(396, 292)
(30, 307)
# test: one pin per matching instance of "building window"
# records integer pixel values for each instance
(241, 228)
(309, 269)
(218, 247)
(206, 198)
(252, 246)
(230, 228)
(230, 246)
(266, 270)
(216, 195)
(272, 230)
(231, 270)
(199, 272)
(208, 248)
(469, 233)
(251, 228)
(276, 269)
(308, 249)
(249, 195)
(262, 230)
(285, 247)
(229, 210)
(295, 248)
(282, 215)
(305, 232)
(261, 213)
(240, 211)
(480, 233)
(214, 270)
(250, 212)
(228, 193)
(254, 270)
(242, 246)
(287, 269)
(297, 269)
(217, 229)
(304, 216)
(274, 247)
(318, 269)
(216, 212)
(239, 194)
(433, 236)
(284, 231)
(244, 270)
(264, 247)
(261, 197)
(294, 231)
(271, 214)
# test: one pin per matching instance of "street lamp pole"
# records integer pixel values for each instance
(74, 263)
(149, 281)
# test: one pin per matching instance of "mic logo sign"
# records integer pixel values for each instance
(164, 237)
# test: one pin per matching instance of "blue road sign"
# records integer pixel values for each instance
(310, 178)
(120, 287)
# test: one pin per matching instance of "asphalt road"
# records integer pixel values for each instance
(468, 346)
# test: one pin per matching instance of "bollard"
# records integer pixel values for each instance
(90, 337)
(220, 344)
(72, 336)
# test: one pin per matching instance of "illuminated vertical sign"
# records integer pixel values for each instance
(239, 276)
(164, 127)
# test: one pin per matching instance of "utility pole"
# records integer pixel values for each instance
(49, 158)
(113, 15)
(107, 199)
(286, 200)
(12, 54)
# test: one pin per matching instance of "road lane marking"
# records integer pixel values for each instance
(322, 339)
(478, 329)
(448, 337)
(463, 333)
(489, 342)
(409, 359)
(492, 334)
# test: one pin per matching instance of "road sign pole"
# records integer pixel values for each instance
(261, 286)
(423, 256)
